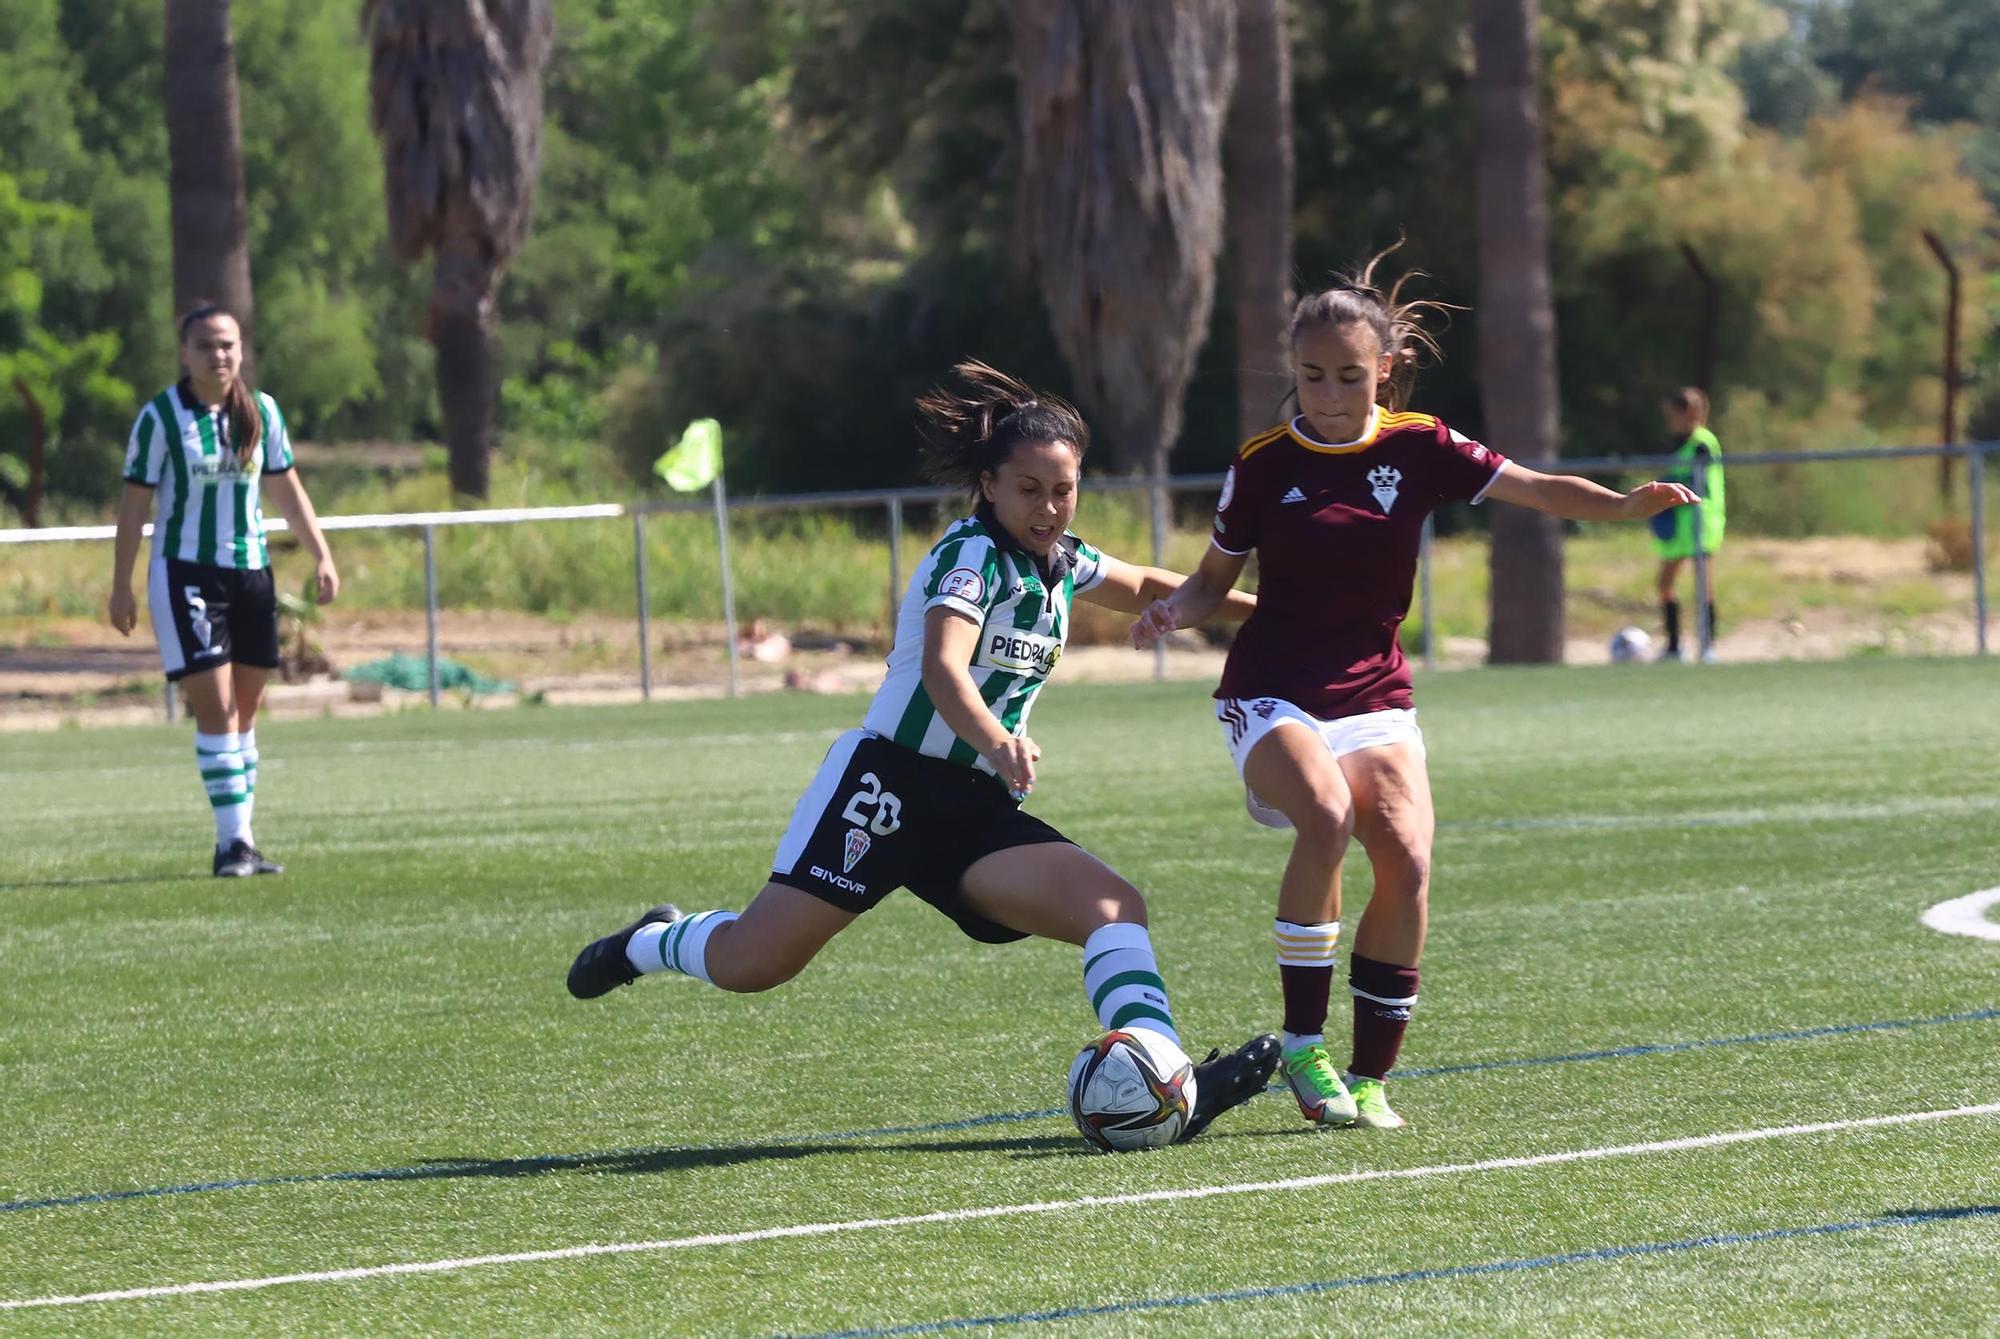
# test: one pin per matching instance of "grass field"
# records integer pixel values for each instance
(1671, 904)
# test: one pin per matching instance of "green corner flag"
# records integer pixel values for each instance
(695, 460)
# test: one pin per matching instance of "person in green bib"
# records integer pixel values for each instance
(1674, 531)
(193, 464)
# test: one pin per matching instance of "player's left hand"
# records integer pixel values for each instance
(326, 581)
(1650, 499)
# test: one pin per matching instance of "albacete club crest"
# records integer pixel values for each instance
(1383, 481)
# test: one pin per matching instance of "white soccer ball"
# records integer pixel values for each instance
(1131, 1089)
(1629, 645)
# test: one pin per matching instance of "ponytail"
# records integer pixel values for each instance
(1357, 299)
(246, 422)
(968, 433)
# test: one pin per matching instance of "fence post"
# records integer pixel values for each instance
(1430, 610)
(728, 585)
(1156, 493)
(431, 607)
(639, 580)
(895, 563)
(1703, 647)
(1975, 477)
(167, 700)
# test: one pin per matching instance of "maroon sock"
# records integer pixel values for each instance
(1306, 990)
(1383, 997)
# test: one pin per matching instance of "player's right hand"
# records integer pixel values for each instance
(124, 611)
(1159, 619)
(1013, 760)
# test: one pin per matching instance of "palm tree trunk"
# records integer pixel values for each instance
(1259, 202)
(205, 162)
(460, 326)
(1121, 109)
(1517, 326)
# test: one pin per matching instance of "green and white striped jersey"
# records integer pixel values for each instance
(207, 510)
(1023, 623)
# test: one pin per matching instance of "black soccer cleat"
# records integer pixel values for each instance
(261, 863)
(238, 860)
(1224, 1081)
(602, 967)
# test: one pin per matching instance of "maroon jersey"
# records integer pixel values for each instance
(1337, 530)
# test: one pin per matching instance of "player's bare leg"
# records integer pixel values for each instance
(768, 944)
(1060, 891)
(1396, 824)
(1291, 770)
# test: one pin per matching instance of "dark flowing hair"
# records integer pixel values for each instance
(1357, 298)
(246, 425)
(968, 432)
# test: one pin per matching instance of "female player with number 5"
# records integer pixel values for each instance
(926, 795)
(198, 453)
(1315, 696)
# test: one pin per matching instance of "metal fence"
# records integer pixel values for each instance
(1159, 491)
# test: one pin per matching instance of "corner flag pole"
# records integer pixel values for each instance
(728, 584)
(695, 462)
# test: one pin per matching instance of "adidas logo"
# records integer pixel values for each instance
(1293, 494)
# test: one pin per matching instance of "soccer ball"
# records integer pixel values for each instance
(1629, 646)
(1131, 1089)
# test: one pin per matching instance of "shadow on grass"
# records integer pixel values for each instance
(103, 881)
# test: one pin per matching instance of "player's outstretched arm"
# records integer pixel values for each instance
(1198, 598)
(1131, 589)
(1575, 498)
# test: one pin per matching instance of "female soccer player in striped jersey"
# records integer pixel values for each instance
(1333, 503)
(197, 453)
(927, 794)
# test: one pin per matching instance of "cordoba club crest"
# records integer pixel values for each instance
(1383, 481)
(857, 846)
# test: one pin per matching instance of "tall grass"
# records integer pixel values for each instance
(829, 569)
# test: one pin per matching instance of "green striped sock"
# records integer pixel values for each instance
(1123, 980)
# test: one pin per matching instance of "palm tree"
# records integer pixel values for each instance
(1121, 109)
(1259, 187)
(205, 162)
(456, 88)
(1517, 325)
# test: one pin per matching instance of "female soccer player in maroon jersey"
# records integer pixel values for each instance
(1333, 503)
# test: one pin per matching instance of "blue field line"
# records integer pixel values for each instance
(1669, 1047)
(1913, 1219)
(554, 1161)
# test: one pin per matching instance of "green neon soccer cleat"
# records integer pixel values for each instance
(1371, 1104)
(1323, 1099)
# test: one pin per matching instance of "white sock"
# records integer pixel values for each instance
(676, 946)
(248, 748)
(1291, 1041)
(221, 764)
(1306, 945)
(1123, 980)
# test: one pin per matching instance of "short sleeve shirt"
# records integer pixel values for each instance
(207, 510)
(1023, 613)
(1336, 530)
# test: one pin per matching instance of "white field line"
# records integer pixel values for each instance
(1000, 1210)
(1966, 915)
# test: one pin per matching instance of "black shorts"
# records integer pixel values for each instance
(878, 817)
(208, 616)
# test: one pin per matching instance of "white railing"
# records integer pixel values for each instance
(1159, 490)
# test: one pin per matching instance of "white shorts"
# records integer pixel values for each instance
(1245, 720)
